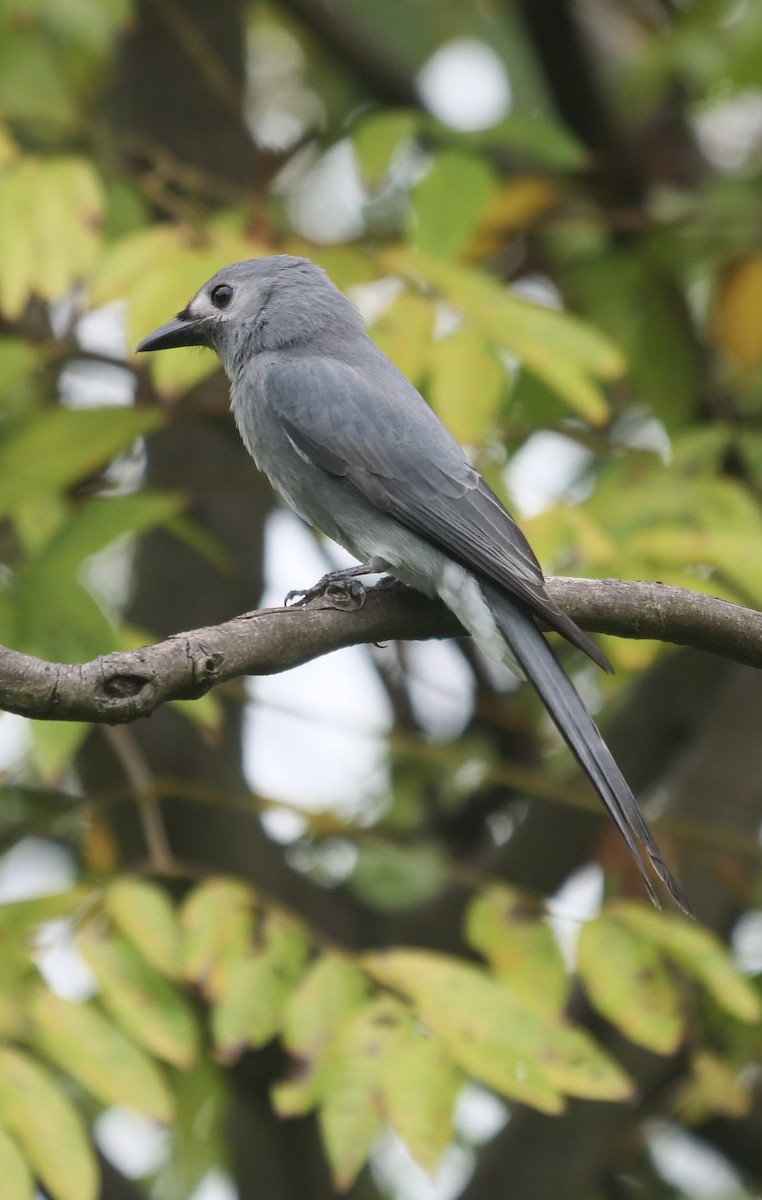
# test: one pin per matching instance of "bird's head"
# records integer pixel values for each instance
(256, 305)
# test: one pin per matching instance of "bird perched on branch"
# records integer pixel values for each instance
(355, 450)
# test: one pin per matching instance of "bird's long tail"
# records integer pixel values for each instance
(581, 734)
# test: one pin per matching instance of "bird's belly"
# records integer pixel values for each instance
(329, 506)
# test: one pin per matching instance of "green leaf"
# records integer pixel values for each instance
(508, 929)
(420, 1087)
(54, 744)
(17, 359)
(376, 137)
(351, 1113)
(143, 1002)
(394, 878)
(450, 202)
(517, 1048)
(466, 383)
(548, 142)
(17, 1179)
(75, 628)
(617, 288)
(699, 953)
(626, 980)
(47, 1127)
(98, 523)
(33, 83)
(199, 1141)
(145, 915)
(217, 923)
(84, 1043)
(20, 918)
(69, 443)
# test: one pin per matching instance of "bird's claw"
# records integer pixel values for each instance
(347, 594)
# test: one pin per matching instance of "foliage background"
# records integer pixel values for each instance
(399, 798)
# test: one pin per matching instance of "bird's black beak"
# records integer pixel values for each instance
(182, 330)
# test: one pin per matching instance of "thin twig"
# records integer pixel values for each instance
(141, 780)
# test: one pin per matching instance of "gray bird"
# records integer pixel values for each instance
(355, 450)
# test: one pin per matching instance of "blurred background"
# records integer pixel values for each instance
(549, 214)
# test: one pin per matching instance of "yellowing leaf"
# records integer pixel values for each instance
(8, 147)
(217, 919)
(508, 930)
(329, 993)
(315, 1011)
(734, 320)
(714, 1087)
(504, 1068)
(17, 1180)
(404, 334)
(88, 1047)
(519, 1050)
(566, 1055)
(249, 1004)
(699, 953)
(47, 1127)
(627, 981)
(158, 272)
(55, 206)
(149, 1008)
(515, 206)
(16, 251)
(352, 1112)
(143, 912)
(420, 1087)
(466, 383)
(566, 353)
(125, 261)
(249, 1007)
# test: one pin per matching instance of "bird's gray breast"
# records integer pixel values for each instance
(318, 498)
(331, 505)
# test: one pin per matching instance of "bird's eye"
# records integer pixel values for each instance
(222, 295)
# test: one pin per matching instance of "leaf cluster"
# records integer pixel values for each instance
(371, 1041)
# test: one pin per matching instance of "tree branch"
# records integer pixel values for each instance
(121, 687)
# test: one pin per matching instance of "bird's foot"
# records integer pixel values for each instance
(339, 589)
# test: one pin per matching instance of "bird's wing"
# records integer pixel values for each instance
(382, 438)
